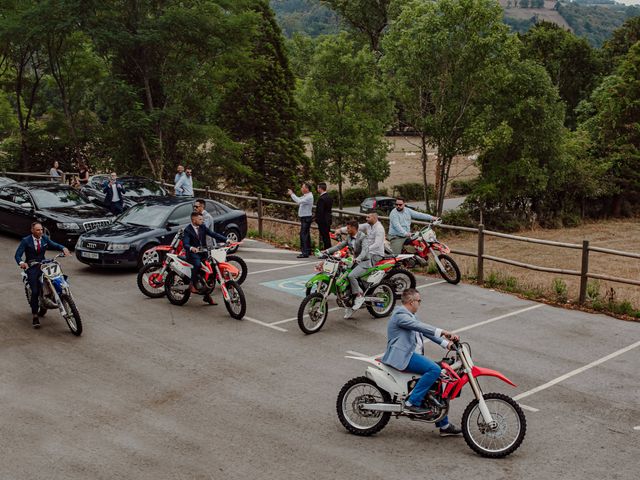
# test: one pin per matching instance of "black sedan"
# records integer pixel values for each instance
(151, 223)
(63, 211)
(137, 189)
(6, 181)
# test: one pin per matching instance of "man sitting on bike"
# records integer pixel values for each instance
(405, 351)
(400, 224)
(195, 237)
(34, 247)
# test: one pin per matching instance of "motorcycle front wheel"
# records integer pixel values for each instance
(387, 297)
(241, 265)
(451, 272)
(312, 313)
(174, 289)
(505, 437)
(319, 287)
(150, 281)
(237, 304)
(72, 316)
(355, 393)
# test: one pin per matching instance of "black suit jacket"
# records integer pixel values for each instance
(200, 240)
(323, 209)
(108, 192)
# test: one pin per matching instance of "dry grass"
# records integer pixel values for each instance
(614, 234)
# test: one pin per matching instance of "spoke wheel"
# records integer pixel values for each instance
(387, 296)
(312, 313)
(501, 439)
(241, 265)
(451, 272)
(355, 393)
(72, 316)
(401, 280)
(174, 289)
(150, 281)
(237, 304)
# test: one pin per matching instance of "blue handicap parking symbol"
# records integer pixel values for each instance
(294, 285)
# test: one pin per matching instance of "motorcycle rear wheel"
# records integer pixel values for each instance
(451, 273)
(237, 304)
(401, 279)
(512, 425)
(384, 290)
(312, 321)
(73, 316)
(241, 265)
(148, 284)
(176, 297)
(354, 393)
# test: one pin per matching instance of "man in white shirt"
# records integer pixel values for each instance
(179, 174)
(184, 185)
(114, 194)
(305, 212)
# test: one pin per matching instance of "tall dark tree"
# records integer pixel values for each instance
(260, 111)
(620, 42)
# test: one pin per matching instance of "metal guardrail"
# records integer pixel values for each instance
(480, 255)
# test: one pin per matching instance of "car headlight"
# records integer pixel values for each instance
(68, 226)
(118, 246)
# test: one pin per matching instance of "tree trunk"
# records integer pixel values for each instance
(339, 167)
(423, 160)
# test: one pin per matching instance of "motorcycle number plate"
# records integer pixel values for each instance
(90, 255)
(51, 270)
(329, 267)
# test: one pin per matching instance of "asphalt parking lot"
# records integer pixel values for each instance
(155, 391)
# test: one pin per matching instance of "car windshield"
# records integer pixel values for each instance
(142, 188)
(59, 197)
(145, 215)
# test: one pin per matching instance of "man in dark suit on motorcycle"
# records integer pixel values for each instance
(195, 236)
(34, 247)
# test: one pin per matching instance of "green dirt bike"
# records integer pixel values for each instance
(332, 279)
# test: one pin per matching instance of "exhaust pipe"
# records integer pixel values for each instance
(383, 407)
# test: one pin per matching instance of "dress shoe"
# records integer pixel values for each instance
(36, 322)
(209, 300)
(193, 289)
(302, 255)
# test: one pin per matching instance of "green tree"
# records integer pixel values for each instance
(571, 62)
(620, 42)
(260, 111)
(347, 111)
(614, 128)
(441, 58)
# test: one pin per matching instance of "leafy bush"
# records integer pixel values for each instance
(412, 191)
(460, 217)
(559, 287)
(463, 187)
(353, 197)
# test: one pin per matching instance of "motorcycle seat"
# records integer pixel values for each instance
(379, 359)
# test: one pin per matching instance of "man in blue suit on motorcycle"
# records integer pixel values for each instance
(34, 247)
(405, 351)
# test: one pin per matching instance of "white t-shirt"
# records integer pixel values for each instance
(116, 195)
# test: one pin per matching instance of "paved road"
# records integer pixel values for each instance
(154, 391)
(449, 204)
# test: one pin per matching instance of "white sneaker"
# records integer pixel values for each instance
(358, 302)
(348, 312)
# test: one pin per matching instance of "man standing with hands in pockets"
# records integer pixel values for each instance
(323, 215)
(305, 212)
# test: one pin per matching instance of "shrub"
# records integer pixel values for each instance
(559, 288)
(412, 191)
(352, 197)
(463, 187)
(460, 217)
(593, 290)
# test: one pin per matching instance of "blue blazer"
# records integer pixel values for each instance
(108, 192)
(401, 342)
(28, 249)
(192, 240)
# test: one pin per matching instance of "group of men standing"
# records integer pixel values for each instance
(305, 213)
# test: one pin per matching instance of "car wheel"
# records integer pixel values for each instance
(233, 235)
(141, 254)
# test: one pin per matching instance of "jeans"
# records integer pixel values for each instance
(33, 276)
(305, 235)
(430, 371)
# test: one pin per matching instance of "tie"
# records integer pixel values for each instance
(38, 246)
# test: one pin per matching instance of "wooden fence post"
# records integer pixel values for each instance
(480, 275)
(206, 192)
(260, 214)
(583, 272)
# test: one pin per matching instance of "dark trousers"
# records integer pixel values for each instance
(195, 259)
(324, 228)
(116, 207)
(33, 276)
(305, 235)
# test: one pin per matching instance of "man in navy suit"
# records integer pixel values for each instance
(34, 247)
(195, 235)
(114, 194)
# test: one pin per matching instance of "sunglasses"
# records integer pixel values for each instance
(399, 204)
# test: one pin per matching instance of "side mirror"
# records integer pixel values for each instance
(91, 198)
(170, 225)
(27, 205)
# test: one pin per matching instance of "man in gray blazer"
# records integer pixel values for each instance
(405, 351)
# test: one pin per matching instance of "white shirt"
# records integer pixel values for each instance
(375, 238)
(305, 204)
(116, 195)
(419, 344)
(35, 242)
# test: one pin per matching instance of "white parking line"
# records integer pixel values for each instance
(637, 428)
(295, 318)
(270, 250)
(484, 322)
(576, 371)
(430, 284)
(265, 324)
(274, 261)
(528, 408)
(356, 354)
(277, 268)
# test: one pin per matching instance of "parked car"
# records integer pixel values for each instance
(379, 204)
(64, 212)
(6, 181)
(137, 189)
(150, 223)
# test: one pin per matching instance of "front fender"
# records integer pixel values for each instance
(319, 277)
(476, 372)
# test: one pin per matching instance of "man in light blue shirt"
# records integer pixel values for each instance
(305, 212)
(184, 185)
(179, 174)
(400, 224)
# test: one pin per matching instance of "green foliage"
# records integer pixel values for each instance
(463, 187)
(412, 191)
(559, 288)
(346, 110)
(305, 16)
(618, 45)
(593, 290)
(518, 25)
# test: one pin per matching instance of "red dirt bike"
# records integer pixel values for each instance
(400, 277)
(493, 424)
(214, 270)
(424, 242)
(152, 275)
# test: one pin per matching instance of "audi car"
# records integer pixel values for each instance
(64, 212)
(150, 223)
(137, 189)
